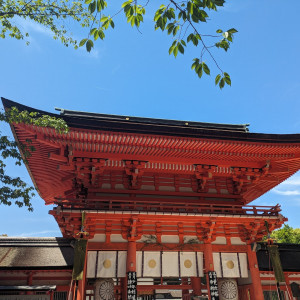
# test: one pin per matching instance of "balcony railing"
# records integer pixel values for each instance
(149, 205)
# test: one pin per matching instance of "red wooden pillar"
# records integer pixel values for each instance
(131, 256)
(130, 263)
(289, 290)
(196, 285)
(256, 287)
(209, 264)
(81, 283)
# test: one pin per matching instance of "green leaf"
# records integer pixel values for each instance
(218, 77)
(92, 32)
(82, 42)
(101, 34)
(227, 78)
(206, 68)
(190, 37)
(195, 40)
(181, 49)
(96, 35)
(175, 50)
(190, 7)
(223, 44)
(232, 30)
(157, 16)
(89, 45)
(228, 81)
(176, 30)
(219, 31)
(222, 83)
(103, 19)
(194, 65)
(171, 49)
(92, 7)
(170, 28)
(199, 70)
(126, 3)
(132, 22)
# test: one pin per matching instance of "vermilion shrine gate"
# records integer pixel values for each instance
(162, 204)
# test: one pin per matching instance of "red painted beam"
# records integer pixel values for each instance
(97, 246)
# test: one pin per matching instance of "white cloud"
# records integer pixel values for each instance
(294, 180)
(36, 233)
(29, 25)
(103, 89)
(290, 187)
(33, 27)
(287, 193)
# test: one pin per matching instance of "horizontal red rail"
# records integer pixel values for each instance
(149, 205)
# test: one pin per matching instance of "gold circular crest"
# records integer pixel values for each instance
(230, 264)
(152, 263)
(187, 263)
(107, 264)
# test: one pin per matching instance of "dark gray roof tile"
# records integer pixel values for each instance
(50, 253)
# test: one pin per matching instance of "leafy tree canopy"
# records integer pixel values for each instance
(14, 188)
(287, 234)
(180, 20)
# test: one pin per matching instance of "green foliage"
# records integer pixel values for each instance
(14, 188)
(287, 234)
(180, 19)
(50, 14)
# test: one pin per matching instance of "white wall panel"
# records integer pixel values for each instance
(170, 266)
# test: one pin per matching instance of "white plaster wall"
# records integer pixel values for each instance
(170, 239)
(99, 238)
(237, 241)
(117, 238)
(220, 240)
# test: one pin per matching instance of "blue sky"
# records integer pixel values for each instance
(131, 73)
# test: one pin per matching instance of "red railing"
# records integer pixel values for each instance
(150, 205)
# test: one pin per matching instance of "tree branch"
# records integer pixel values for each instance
(204, 45)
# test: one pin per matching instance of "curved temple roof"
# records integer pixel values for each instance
(114, 155)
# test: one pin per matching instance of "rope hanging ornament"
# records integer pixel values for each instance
(80, 251)
(79, 259)
(275, 261)
(269, 239)
(82, 231)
